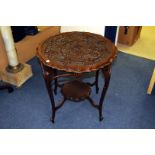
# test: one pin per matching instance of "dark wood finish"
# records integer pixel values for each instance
(107, 74)
(56, 82)
(76, 53)
(95, 82)
(76, 90)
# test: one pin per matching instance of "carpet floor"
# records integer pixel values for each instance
(126, 105)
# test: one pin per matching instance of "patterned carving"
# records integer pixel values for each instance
(77, 51)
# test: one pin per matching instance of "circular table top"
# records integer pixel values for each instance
(76, 52)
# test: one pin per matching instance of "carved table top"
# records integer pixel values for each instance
(76, 52)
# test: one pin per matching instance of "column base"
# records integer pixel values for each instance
(15, 69)
(19, 78)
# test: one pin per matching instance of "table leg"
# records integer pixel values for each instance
(47, 77)
(96, 81)
(50, 92)
(107, 74)
(55, 82)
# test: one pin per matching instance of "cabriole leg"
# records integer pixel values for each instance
(107, 74)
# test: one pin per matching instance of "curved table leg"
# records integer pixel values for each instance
(50, 93)
(107, 74)
(47, 77)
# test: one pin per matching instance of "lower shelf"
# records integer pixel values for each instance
(76, 90)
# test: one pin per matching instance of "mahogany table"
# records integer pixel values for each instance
(76, 53)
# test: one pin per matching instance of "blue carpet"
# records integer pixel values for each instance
(126, 104)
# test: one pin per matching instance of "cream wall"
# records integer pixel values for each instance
(26, 48)
(93, 29)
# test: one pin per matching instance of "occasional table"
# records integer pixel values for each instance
(75, 54)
